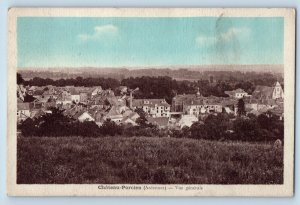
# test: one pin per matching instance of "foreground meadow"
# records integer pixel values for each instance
(145, 160)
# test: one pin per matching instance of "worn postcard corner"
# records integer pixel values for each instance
(151, 102)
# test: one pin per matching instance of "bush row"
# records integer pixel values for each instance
(265, 127)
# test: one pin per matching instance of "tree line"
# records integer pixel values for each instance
(159, 87)
(265, 127)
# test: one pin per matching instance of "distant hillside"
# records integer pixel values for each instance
(176, 72)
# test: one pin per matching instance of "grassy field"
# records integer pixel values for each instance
(115, 160)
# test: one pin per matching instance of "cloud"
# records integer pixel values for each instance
(100, 32)
(205, 40)
(222, 37)
(233, 33)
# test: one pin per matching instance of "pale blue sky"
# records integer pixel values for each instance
(100, 42)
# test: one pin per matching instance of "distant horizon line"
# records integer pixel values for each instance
(134, 67)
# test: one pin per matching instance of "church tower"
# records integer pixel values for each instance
(277, 91)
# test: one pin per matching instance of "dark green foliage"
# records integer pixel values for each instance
(246, 130)
(111, 128)
(88, 129)
(105, 83)
(142, 119)
(271, 124)
(142, 160)
(146, 130)
(265, 127)
(20, 79)
(164, 86)
(232, 76)
(153, 87)
(28, 98)
(214, 127)
(28, 127)
(241, 107)
(198, 130)
(56, 124)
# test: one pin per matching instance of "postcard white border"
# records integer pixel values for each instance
(286, 189)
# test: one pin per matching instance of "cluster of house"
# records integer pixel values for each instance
(88, 104)
(98, 105)
(263, 99)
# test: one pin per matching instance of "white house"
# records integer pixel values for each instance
(187, 120)
(238, 93)
(153, 107)
(128, 120)
(198, 109)
(85, 116)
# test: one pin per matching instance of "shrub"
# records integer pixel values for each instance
(146, 131)
(111, 128)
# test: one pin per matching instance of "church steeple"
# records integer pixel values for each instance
(277, 91)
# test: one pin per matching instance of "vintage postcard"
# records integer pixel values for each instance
(151, 102)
